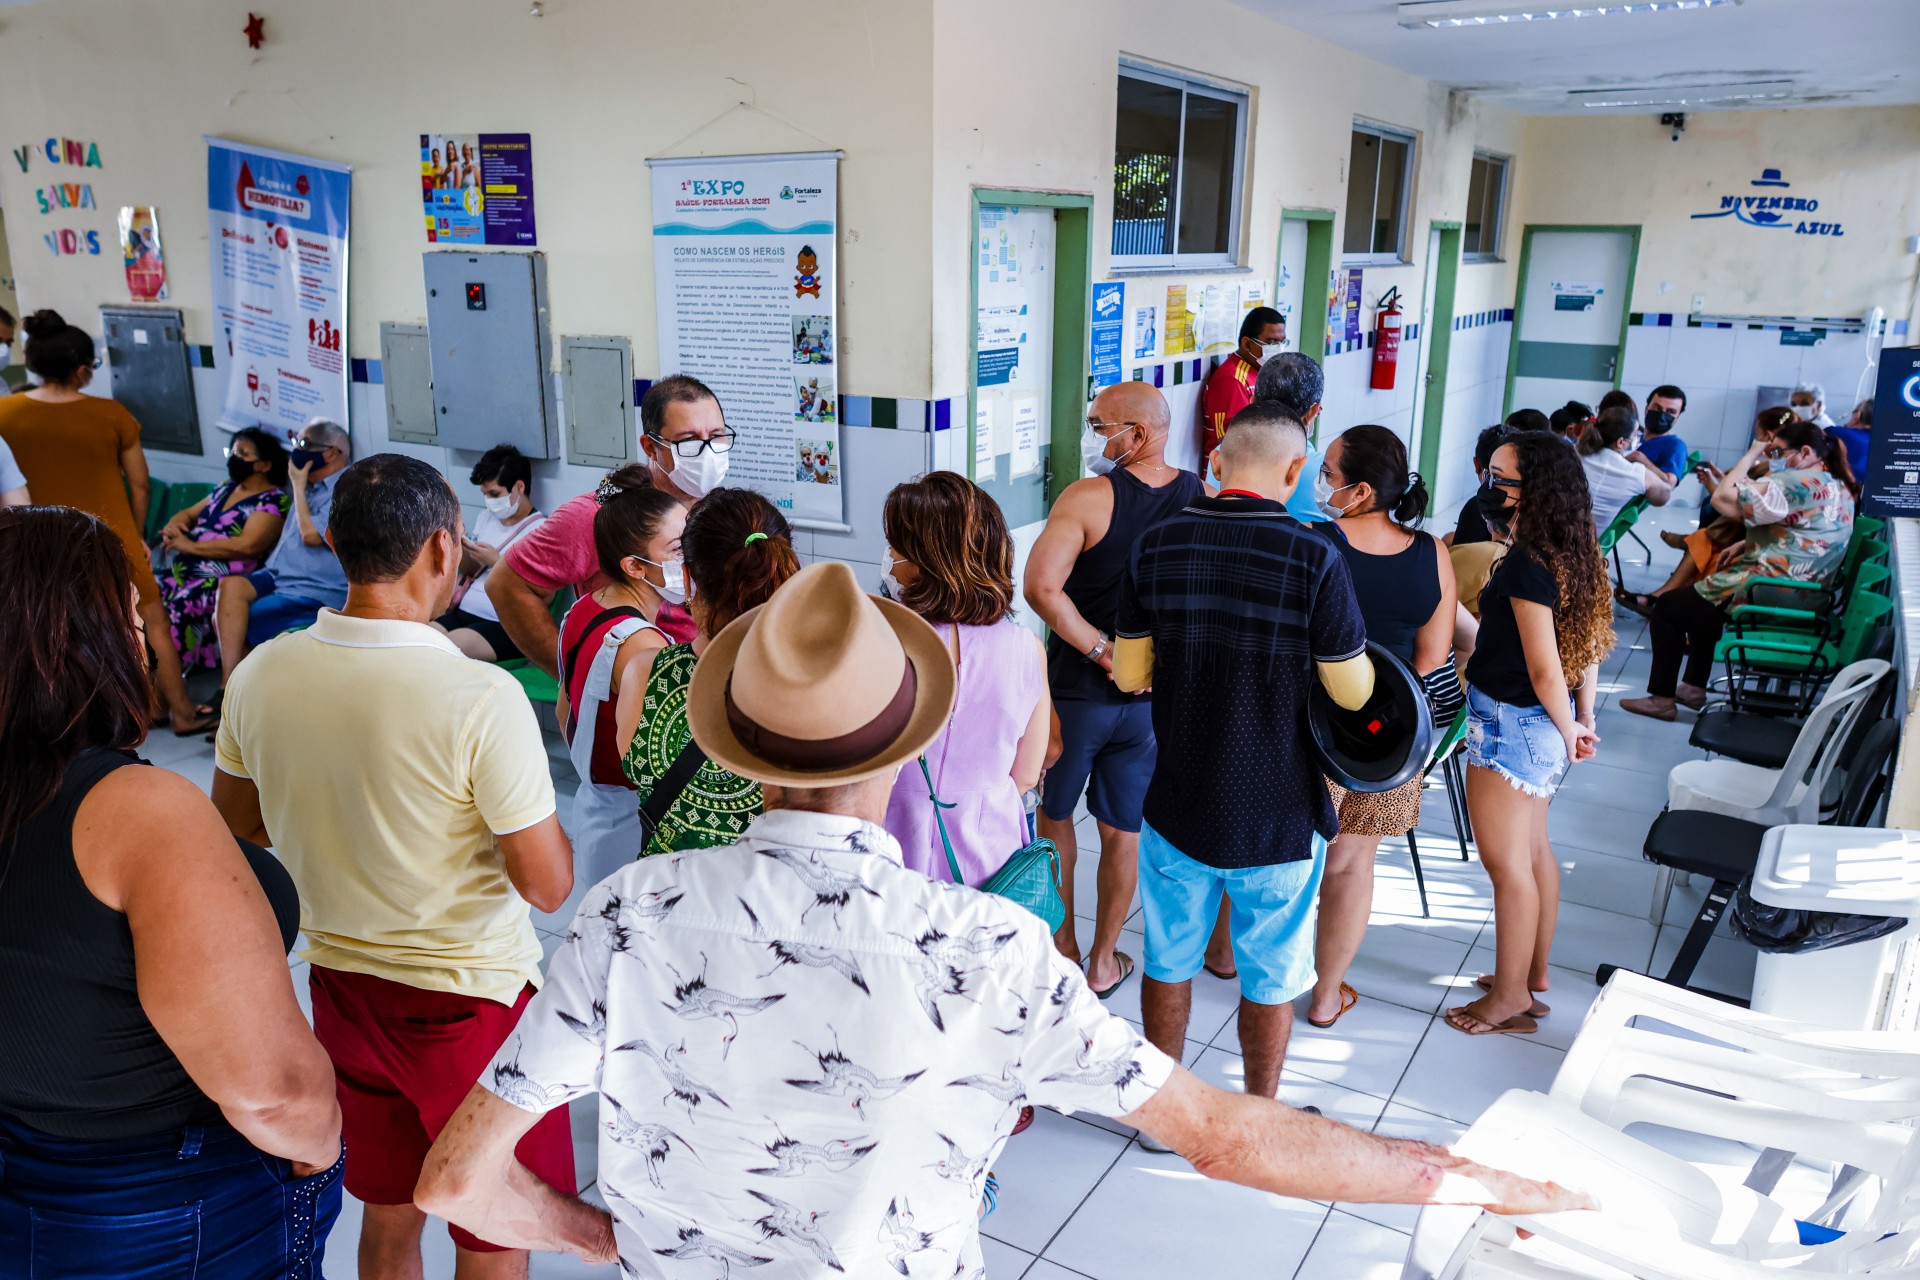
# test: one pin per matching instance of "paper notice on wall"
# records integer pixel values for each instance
(1105, 340)
(278, 228)
(1026, 436)
(746, 293)
(983, 441)
(1219, 317)
(1179, 323)
(1251, 296)
(1002, 326)
(146, 263)
(1146, 333)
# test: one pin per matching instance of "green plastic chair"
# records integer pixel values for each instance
(182, 494)
(1816, 600)
(538, 685)
(1800, 663)
(156, 509)
(1619, 527)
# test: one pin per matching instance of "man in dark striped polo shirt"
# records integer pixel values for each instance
(1231, 609)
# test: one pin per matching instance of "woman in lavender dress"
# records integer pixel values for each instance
(950, 560)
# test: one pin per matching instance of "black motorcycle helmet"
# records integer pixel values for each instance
(1384, 744)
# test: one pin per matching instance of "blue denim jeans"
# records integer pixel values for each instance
(200, 1202)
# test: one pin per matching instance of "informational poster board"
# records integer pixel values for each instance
(278, 228)
(140, 250)
(478, 188)
(746, 269)
(1013, 342)
(1196, 317)
(1106, 334)
(1890, 485)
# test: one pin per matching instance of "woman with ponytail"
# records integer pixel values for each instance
(1798, 519)
(950, 560)
(1403, 580)
(737, 549)
(1613, 478)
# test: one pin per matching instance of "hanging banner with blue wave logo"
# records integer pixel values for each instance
(746, 268)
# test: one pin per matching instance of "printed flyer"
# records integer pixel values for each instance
(278, 237)
(746, 290)
(477, 188)
(140, 247)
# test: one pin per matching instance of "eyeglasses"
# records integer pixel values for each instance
(1095, 425)
(1502, 482)
(720, 442)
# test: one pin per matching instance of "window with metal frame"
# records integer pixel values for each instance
(1486, 209)
(1178, 169)
(1379, 186)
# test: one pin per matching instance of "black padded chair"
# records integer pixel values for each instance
(1767, 741)
(1725, 849)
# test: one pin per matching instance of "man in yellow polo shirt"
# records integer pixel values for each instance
(406, 788)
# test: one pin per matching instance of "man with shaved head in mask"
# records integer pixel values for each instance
(1073, 582)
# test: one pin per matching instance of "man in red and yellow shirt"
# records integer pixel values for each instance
(1230, 389)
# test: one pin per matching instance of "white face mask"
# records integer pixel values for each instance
(673, 588)
(1093, 453)
(890, 587)
(1271, 349)
(1806, 412)
(1323, 498)
(501, 506)
(6, 352)
(699, 475)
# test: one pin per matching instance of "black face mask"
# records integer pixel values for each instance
(238, 469)
(1494, 507)
(1659, 421)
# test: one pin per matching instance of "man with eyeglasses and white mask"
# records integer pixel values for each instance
(1229, 389)
(686, 440)
(1809, 401)
(1073, 580)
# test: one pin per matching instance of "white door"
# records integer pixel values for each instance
(1290, 289)
(1573, 308)
(1013, 370)
(1423, 375)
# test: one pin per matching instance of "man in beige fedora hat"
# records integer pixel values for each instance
(808, 1056)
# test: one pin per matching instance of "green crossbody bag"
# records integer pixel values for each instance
(1031, 877)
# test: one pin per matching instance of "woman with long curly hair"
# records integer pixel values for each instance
(1546, 621)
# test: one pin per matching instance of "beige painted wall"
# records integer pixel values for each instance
(600, 84)
(1862, 164)
(1041, 115)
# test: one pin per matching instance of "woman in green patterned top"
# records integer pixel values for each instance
(737, 550)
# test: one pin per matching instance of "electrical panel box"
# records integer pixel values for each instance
(146, 351)
(487, 330)
(598, 400)
(406, 371)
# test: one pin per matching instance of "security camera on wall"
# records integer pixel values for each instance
(1677, 121)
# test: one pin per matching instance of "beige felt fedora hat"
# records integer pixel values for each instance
(821, 685)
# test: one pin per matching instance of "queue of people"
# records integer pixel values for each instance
(799, 987)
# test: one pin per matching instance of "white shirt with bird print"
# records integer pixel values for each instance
(807, 1055)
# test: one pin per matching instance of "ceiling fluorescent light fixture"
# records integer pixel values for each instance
(1697, 95)
(1494, 13)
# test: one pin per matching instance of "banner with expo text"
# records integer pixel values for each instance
(746, 291)
(278, 245)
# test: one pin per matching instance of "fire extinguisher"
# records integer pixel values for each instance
(1386, 341)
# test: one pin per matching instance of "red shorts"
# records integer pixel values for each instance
(403, 1061)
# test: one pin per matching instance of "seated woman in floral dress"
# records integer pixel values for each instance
(230, 531)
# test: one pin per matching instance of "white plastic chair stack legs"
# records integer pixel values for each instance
(1783, 1089)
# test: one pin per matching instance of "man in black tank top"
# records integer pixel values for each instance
(1073, 582)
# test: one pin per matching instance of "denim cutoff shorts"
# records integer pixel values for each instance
(1520, 744)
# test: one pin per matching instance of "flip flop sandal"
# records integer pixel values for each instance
(989, 1197)
(1519, 1024)
(1125, 962)
(1634, 601)
(1228, 976)
(1539, 1009)
(1348, 998)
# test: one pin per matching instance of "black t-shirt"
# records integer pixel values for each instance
(1241, 601)
(1472, 526)
(1498, 667)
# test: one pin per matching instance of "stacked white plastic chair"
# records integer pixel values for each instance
(1845, 1101)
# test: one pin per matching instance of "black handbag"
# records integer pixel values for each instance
(1795, 930)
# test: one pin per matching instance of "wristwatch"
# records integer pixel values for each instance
(1099, 647)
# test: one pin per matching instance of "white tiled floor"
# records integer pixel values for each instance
(1080, 1199)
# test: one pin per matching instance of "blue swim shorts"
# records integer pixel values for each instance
(1271, 919)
